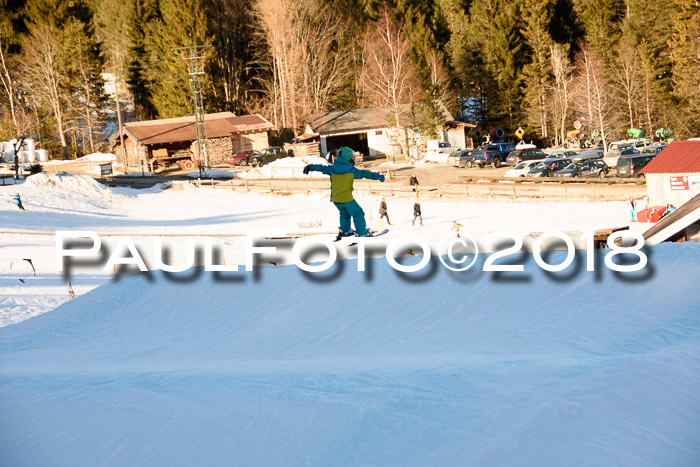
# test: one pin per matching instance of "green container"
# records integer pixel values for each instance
(636, 133)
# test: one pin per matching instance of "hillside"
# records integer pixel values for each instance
(279, 368)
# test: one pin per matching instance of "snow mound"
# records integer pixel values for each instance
(80, 184)
(435, 158)
(94, 157)
(355, 370)
(287, 167)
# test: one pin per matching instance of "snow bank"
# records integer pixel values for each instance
(435, 158)
(94, 157)
(79, 184)
(287, 167)
(358, 369)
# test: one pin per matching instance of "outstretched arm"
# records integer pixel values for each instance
(357, 173)
(326, 169)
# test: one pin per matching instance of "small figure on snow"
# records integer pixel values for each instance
(669, 209)
(413, 181)
(343, 173)
(417, 214)
(19, 202)
(456, 227)
(632, 205)
(383, 211)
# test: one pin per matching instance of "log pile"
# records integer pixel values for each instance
(219, 148)
(304, 149)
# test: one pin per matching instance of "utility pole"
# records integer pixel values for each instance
(193, 55)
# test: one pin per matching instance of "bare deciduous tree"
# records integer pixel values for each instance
(305, 57)
(8, 86)
(625, 78)
(389, 78)
(593, 88)
(41, 70)
(561, 69)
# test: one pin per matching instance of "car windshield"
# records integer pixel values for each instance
(541, 165)
(522, 165)
(624, 162)
(571, 166)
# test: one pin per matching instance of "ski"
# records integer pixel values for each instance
(377, 234)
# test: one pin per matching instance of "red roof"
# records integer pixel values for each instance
(678, 157)
(219, 125)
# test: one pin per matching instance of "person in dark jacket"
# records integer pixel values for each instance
(19, 202)
(417, 214)
(413, 181)
(383, 212)
(343, 173)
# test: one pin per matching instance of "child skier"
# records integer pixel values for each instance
(457, 227)
(19, 202)
(342, 174)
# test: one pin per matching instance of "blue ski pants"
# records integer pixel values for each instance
(354, 211)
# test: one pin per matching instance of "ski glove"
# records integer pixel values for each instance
(307, 168)
(381, 178)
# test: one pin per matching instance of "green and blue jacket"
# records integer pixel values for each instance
(342, 174)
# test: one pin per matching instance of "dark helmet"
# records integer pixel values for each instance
(347, 154)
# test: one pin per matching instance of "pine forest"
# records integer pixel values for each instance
(539, 65)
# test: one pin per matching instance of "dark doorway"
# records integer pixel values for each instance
(357, 142)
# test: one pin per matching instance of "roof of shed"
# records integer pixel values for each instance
(218, 125)
(353, 120)
(677, 157)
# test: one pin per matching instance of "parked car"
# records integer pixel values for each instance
(547, 167)
(630, 165)
(520, 155)
(242, 158)
(522, 169)
(561, 154)
(268, 155)
(629, 152)
(465, 158)
(588, 155)
(494, 154)
(618, 146)
(653, 149)
(446, 148)
(590, 168)
(453, 158)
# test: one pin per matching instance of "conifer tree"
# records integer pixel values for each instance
(182, 23)
(537, 74)
(141, 17)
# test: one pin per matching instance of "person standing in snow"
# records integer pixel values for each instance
(417, 214)
(456, 227)
(343, 173)
(632, 205)
(19, 202)
(383, 211)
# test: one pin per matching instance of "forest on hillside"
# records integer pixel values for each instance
(535, 64)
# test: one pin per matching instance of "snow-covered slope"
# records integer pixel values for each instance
(280, 368)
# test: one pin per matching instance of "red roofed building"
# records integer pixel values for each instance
(674, 175)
